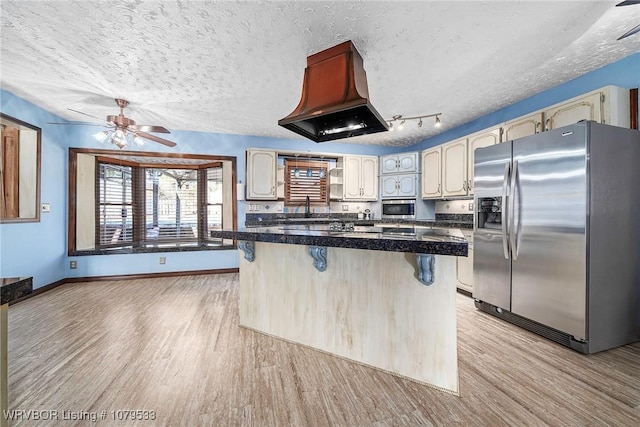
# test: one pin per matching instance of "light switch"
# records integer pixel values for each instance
(46, 207)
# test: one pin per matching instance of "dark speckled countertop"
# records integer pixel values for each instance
(436, 240)
(13, 288)
(464, 221)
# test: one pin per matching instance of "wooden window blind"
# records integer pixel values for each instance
(310, 181)
(214, 199)
(115, 205)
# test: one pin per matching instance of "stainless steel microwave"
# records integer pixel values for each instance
(400, 209)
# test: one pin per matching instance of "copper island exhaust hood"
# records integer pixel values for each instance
(335, 98)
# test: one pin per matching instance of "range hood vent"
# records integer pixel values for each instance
(335, 98)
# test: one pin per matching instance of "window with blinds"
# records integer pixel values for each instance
(214, 199)
(171, 204)
(306, 178)
(158, 206)
(114, 205)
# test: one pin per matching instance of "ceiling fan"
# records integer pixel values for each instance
(123, 130)
(634, 29)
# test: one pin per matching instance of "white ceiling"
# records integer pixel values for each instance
(237, 67)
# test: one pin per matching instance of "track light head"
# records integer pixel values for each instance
(402, 120)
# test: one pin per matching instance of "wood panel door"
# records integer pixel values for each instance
(10, 173)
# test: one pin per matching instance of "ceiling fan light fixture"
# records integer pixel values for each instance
(101, 136)
(137, 140)
(119, 138)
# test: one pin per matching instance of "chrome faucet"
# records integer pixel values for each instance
(307, 208)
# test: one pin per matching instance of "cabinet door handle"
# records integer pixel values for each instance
(546, 124)
(537, 127)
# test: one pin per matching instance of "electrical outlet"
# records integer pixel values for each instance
(163, 260)
(46, 207)
(73, 265)
(471, 206)
(345, 207)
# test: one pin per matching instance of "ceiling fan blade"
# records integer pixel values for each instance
(80, 112)
(628, 3)
(156, 139)
(148, 128)
(630, 32)
(76, 123)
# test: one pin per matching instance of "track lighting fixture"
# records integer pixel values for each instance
(402, 120)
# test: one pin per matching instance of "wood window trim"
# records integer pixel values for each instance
(303, 165)
(206, 161)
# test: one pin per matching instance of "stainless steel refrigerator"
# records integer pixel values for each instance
(557, 234)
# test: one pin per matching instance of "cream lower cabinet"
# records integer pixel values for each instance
(360, 178)
(261, 174)
(454, 168)
(431, 167)
(464, 265)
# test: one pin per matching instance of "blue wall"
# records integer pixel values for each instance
(39, 249)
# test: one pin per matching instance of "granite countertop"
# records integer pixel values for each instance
(13, 288)
(444, 221)
(436, 240)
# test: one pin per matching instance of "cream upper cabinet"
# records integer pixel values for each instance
(360, 177)
(480, 139)
(608, 105)
(454, 168)
(399, 163)
(431, 167)
(369, 178)
(261, 174)
(522, 126)
(585, 108)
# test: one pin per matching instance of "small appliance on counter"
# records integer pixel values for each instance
(368, 214)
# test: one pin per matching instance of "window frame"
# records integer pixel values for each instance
(290, 164)
(155, 160)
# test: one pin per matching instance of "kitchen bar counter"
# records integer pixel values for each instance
(386, 300)
(440, 241)
(260, 221)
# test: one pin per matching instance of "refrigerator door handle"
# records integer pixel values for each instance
(504, 215)
(512, 212)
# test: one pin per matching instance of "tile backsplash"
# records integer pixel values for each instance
(278, 206)
(462, 206)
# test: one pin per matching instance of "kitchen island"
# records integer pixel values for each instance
(384, 298)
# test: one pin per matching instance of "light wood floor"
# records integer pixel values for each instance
(172, 345)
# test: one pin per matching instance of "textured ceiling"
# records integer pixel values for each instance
(237, 67)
